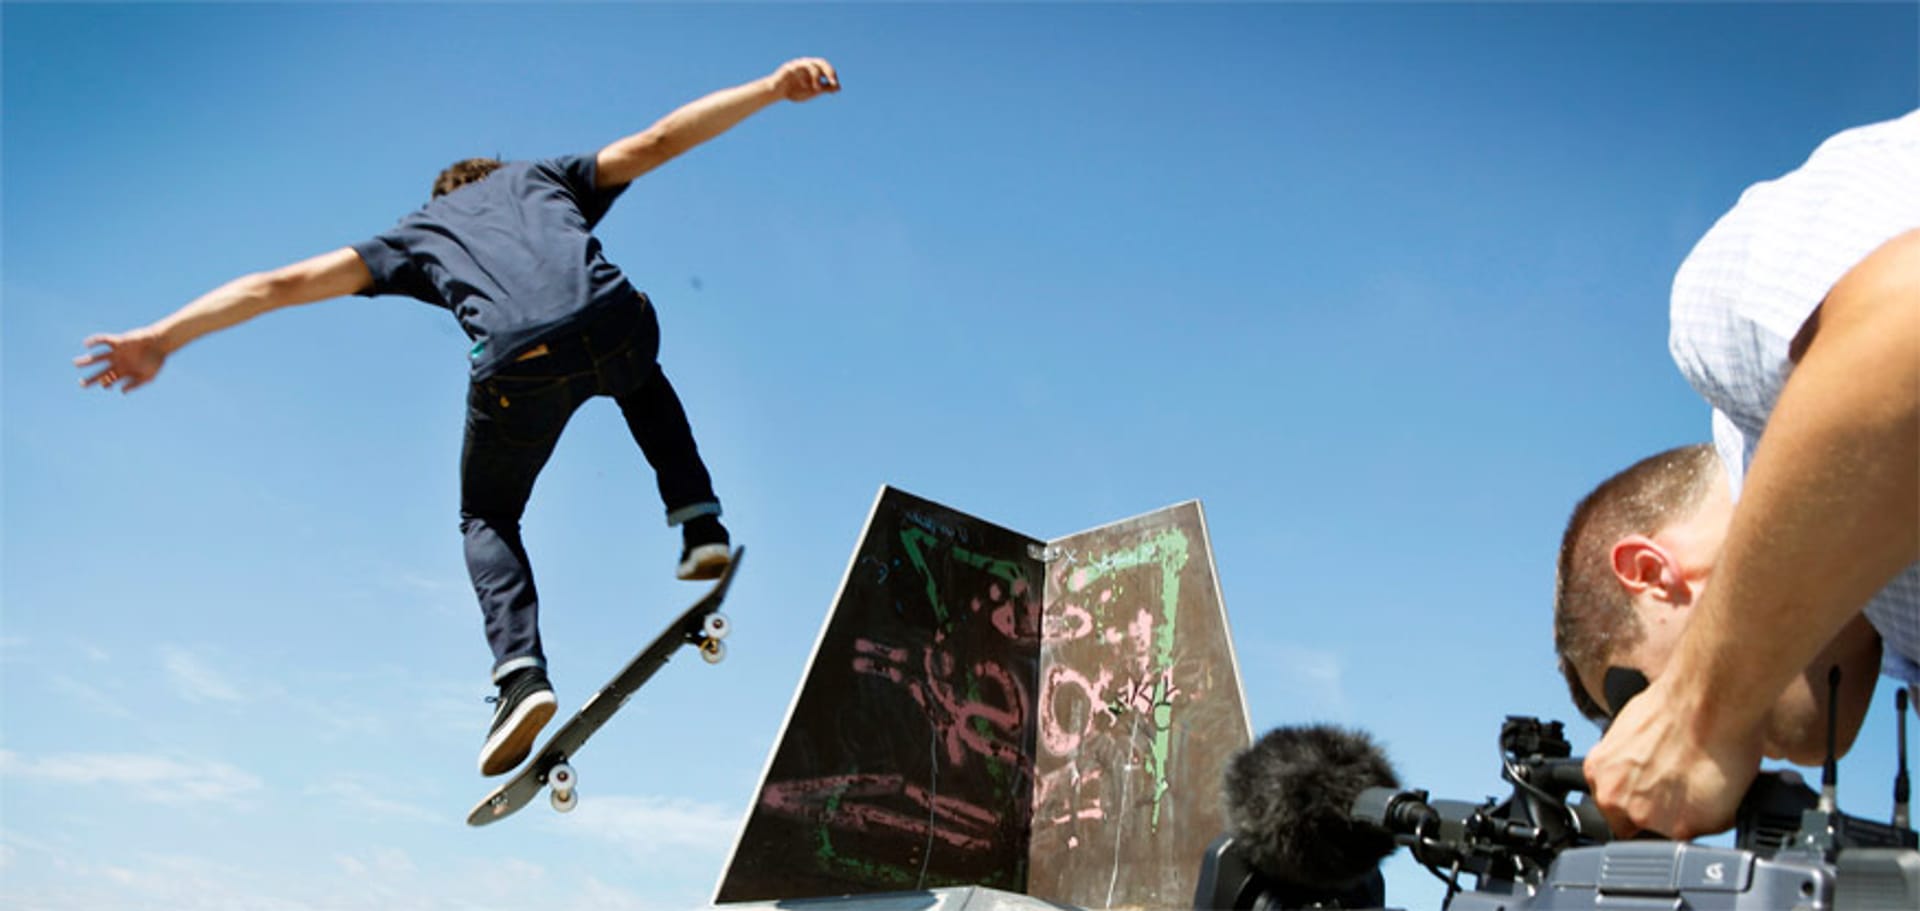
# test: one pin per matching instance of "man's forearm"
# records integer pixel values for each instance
(228, 305)
(1831, 506)
(697, 121)
(331, 274)
(706, 117)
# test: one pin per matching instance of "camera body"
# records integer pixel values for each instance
(1673, 875)
(1539, 850)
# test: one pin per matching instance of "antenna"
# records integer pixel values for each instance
(1901, 787)
(1830, 773)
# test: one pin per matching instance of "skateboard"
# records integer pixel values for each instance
(701, 627)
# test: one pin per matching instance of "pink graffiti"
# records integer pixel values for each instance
(1065, 682)
(864, 661)
(1079, 579)
(1064, 795)
(948, 709)
(1141, 631)
(1019, 617)
(1070, 623)
(1061, 732)
(854, 802)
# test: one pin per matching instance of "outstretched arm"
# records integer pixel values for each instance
(133, 358)
(1830, 513)
(707, 117)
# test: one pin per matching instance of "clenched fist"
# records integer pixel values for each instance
(802, 79)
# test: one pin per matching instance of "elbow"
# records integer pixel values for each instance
(262, 287)
(271, 290)
(651, 149)
(657, 147)
(660, 143)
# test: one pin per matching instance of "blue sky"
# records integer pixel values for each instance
(1384, 286)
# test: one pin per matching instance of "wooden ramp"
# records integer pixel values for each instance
(1140, 710)
(987, 709)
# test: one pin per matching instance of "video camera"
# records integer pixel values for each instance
(1539, 850)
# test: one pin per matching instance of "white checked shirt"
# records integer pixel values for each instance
(1752, 281)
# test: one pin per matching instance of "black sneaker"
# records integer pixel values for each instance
(525, 705)
(705, 552)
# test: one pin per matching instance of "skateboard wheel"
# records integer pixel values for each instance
(712, 651)
(716, 626)
(564, 801)
(560, 778)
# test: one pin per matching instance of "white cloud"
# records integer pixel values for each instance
(153, 778)
(63, 876)
(511, 876)
(599, 896)
(648, 825)
(173, 881)
(195, 681)
(454, 710)
(88, 696)
(389, 862)
(425, 584)
(1316, 676)
(444, 594)
(369, 800)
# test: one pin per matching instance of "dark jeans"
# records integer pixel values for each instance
(515, 417)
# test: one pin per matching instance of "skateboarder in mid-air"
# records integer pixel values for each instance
(508, 248)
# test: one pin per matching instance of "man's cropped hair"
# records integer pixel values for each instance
(464, 172)
(1593, 615)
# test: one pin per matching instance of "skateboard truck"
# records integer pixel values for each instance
(712, 630)
(560, 781)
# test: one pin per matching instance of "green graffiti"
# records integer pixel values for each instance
(920, 543)
(824, 851)
(1008, 570)
(864, 871)
(873, 874)
(1169, 550)
(914, 539)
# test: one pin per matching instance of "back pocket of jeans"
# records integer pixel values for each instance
(525, 411)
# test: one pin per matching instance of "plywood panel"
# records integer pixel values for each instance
(906, 760)
(1139, 710)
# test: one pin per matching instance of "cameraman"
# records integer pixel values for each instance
(1797, 317)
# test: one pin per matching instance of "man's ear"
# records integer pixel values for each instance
(1642, 566)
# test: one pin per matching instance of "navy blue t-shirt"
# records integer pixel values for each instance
(512, 255)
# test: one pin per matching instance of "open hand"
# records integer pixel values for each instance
(132, 359)
(804, 78)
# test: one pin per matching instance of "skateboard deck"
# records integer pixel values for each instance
(702, 627)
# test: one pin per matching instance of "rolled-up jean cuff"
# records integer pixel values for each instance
(685, 513)
(513, 664)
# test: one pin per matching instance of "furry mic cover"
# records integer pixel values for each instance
(1288, 800)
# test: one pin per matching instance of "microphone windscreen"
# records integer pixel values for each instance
(1289, 799)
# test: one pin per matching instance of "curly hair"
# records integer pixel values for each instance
(1593, 615)
(461, 173)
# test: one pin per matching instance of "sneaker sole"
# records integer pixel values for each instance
(509, 746)
(708, 561)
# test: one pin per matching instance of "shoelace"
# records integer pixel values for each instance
(499, 711)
